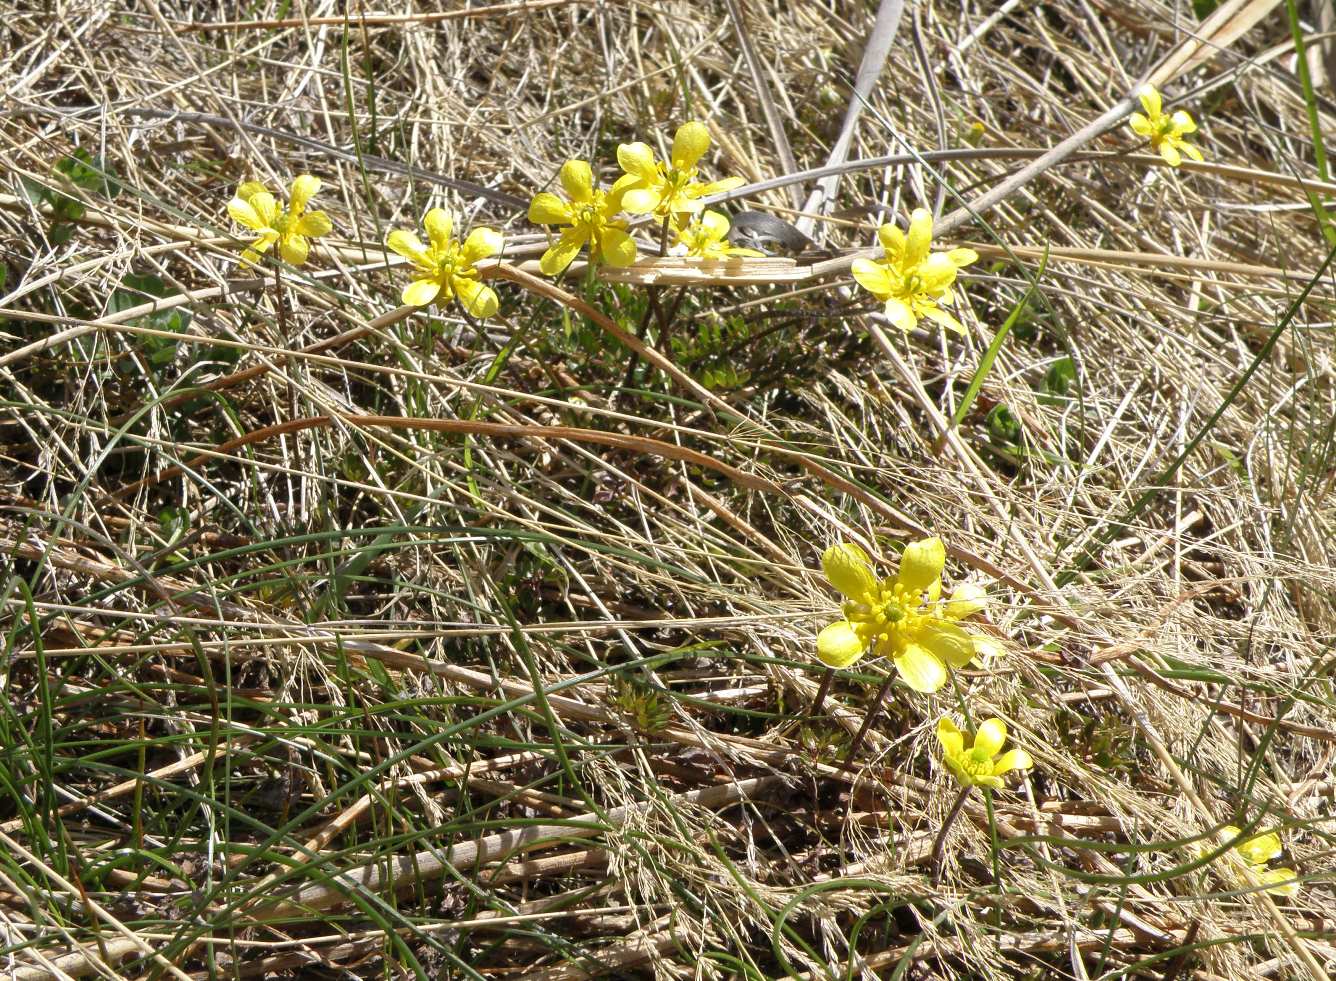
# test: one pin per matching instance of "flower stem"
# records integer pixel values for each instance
(939, 845)
(822, 692)
(867, 719)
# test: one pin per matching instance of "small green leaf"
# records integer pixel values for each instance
(34, 192)
(1060, 376)
(93, 174)
(1003, 426)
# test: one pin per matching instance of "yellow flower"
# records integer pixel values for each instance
(706, 237)
(590, 213)
(668, 188)
(446, 268)
(1252, 855)
(899, 617)
(980, 766)
(912, 280)
(1164, 132)
(258, 210)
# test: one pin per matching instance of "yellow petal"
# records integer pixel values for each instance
(563, 251)
(721, 186)
(313, 224)
(950, 736)
(966, 600)
(936, 273)
(293, 248)
(1260, 849)
(477, 298)
(243, 214)
(850, 571)
(482, 243)
(262, 244)
(1183, 122)
(577, 179)
(990, 737)
(1273, 879)
(640, 200)
(689, 144)
(1192, 151)
(892, 242)
(1170, 154)
(421, 292)
(947, 641)
(919, 239)
(548, 209)
(440, 226)
(406, 244)
(873, 277)
(249, 189)
(899, 313)
(941, 317)
(265, 207)
(1140, 124)
(1013, 759)
(839, 645)
(922, 563)
(962, 257)
(617, 248)
(920, 669)
(637, 159)
(1150, 100)
(303, 189)
(986, 650)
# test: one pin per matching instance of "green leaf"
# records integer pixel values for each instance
(1060, 376)
(135, 290)
(34, 192)
(1003, 426)
(93, 174)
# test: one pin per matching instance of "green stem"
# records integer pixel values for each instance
(939, 845)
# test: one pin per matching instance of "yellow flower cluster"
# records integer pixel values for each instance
(668, 189)
(446, 269)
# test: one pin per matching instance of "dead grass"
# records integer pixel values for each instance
(343, 642)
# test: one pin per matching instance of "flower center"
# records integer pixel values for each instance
(282, 223)
(891, 618)
(676, 180)
(587, 214)
(976, 763)
(447, 262)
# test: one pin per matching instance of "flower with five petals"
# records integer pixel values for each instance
(900, 617)
(911, 279)
(979, 765)
(668, 188)
(258, 210)
(705, 236)
(1165, 132)
(446, 268)
(591, 213)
